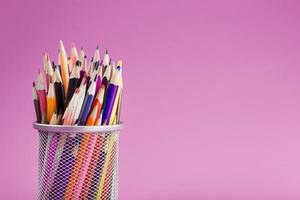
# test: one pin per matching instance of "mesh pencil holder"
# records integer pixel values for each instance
(78, 162)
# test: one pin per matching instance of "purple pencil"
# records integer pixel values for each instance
(111, 94)
(98, 84)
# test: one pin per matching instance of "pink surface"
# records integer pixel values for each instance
(212, 93)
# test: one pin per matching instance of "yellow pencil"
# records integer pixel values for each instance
(112, 119)
(51, 102)
(111, 146)
(105, 180)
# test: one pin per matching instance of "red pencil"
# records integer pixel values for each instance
(42, 97)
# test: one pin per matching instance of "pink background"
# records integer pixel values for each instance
(212, 93)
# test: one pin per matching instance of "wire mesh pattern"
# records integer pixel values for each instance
(78, 166)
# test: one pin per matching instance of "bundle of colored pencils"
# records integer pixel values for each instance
(72, 89)
(79, 94)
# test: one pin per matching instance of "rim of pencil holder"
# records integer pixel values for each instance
(76, 129)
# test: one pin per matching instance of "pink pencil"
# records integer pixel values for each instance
(42, 96)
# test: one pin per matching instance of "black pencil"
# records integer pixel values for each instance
(59, 92)
(73, 83)
(36, 104)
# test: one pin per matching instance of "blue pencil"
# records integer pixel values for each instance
(87, 104)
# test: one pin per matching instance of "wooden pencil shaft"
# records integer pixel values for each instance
(71, 89)
(37, 111)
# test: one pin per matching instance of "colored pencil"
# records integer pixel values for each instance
(36, 104)
(105, 171)
(96, 55)
(82, 57)
(113, 114)
(92, 138)
(87, 104)
(80, 101)
(59, 92)
(66, 158)
(63, 62)
(51, 102)
(111, 94)
(74, 78)
(94, 167)
(78, 163)
(48, 68)
(53, 139)
(99, 100)
(106, 61)
(73, 57)
(41, 91)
